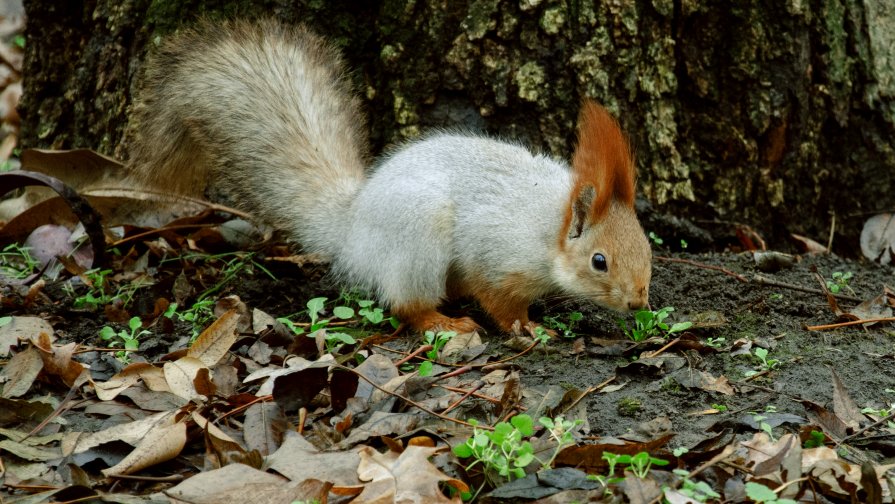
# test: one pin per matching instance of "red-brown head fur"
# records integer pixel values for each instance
(603, 161)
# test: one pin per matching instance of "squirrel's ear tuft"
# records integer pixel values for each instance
(602, 160)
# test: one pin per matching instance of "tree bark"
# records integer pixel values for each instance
(776, 114)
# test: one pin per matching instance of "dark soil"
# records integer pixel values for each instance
(770, 317)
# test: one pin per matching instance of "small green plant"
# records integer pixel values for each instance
(776, 297)
(656, 239)
(719, 407)
(840, 281)
(333, 339)
(767, 364)
(696, 490)
(765, 427)
(648, 324)
(560, 430)
(639, 464)
(503, 451)
(684, 244)
(19, 41)
(129, 339)
(715, 342)
(437, 340)
(815, 440)
(764, 495)
(541, 336)
(567, 329)
(98, 293)
(101, 292)
(16, 262)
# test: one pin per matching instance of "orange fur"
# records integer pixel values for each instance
(427, 318)
(602, 160)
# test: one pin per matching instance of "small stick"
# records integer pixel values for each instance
(849, 323)
(475, 394)
(422, 349)
(463, 397)
(774, 283)
(726, 271)
(875, 424)
(410, 401)
(664, 348)
(159, 479)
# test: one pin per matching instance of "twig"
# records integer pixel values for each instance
(774, 283)
(726, 271)
(849, 323)
(881, 421)
(475, 394)
(462, 398)
(158, 479)
(415, 353)
(664, 348)
(410, 401)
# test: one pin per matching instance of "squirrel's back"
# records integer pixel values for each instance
(263, 110)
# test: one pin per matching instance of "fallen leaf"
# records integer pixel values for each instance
(878, 238)
(20, 372)
(21, 329)
(407, 477)
(181, 375)
(215, 341)
(161, 443)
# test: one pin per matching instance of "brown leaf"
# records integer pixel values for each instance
(407, 477)
(298, 460)
(20, 372)
(878, 238)
(181, 375)
(843, 405)
(21, 329)
(215, 341)
(264, 427)
(807, 245)
(590, 456)
(58, 361)
(238, 483)
(159, 445)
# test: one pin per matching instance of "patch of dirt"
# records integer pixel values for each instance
(772, 317)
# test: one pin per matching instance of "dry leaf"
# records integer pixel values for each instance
(298, 460)
(402, 478)
(181, 375)
(878, 238)
(21, 329)
(58, 361)
(161, 444)
(215, 341)
(20, 372)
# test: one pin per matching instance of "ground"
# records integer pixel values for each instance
(694, 389)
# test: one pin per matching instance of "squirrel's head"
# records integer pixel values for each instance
(604, 254)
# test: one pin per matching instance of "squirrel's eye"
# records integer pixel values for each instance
(598, 261)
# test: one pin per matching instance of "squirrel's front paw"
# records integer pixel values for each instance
(431, 320)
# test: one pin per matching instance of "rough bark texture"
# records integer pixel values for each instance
(773, 113)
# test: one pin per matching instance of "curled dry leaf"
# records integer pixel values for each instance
(181, 376)
(58, 361)
(878, 238)
(160, 444)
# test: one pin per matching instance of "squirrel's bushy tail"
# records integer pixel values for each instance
(262, 110)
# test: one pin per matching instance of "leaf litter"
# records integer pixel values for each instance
(254, 408)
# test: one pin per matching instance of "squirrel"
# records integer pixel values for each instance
(262, 111)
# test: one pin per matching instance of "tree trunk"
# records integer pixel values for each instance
(776, 114)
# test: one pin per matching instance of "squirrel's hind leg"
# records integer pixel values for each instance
(427, 318)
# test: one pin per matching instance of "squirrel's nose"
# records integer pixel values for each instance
(636, 305)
